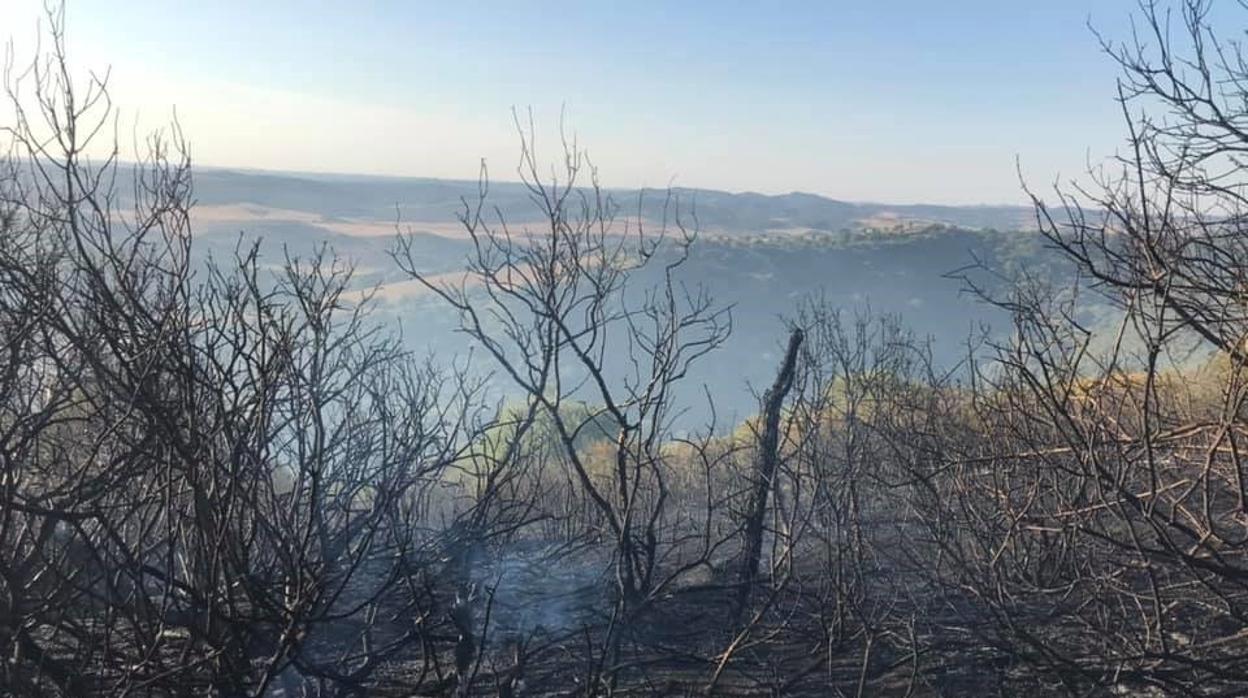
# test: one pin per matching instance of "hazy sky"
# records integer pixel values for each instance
(886, 100)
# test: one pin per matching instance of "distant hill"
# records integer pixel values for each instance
(346, 198)
(761, 254)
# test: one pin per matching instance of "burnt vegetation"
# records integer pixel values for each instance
(221, 478)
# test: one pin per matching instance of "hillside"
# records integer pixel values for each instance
(759, 254)
(339, 200)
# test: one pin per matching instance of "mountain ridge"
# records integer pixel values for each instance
(414, 200)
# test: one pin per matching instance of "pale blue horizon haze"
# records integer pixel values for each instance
(903, 101)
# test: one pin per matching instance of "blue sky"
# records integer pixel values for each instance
(896, 100)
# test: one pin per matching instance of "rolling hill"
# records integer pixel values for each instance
(759, 254)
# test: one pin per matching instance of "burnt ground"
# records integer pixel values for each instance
(544, 610)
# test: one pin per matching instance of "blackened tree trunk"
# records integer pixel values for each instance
(766, 461)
